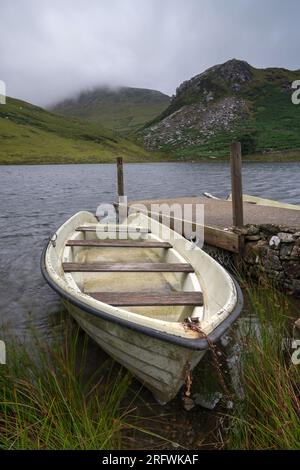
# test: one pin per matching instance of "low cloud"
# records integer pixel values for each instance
(52, 49)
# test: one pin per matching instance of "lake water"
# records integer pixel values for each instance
(35, 200)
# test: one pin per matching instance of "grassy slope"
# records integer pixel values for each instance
(123, 110)
(29, 134)
(273, 122)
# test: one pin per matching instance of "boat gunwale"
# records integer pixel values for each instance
(194, 344)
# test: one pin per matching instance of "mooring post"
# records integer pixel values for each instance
(236, 184)
(120, 177)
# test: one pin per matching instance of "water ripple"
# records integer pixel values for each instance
(47, 195)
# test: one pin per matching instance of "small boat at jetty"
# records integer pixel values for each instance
(153, 303)
(259, 201)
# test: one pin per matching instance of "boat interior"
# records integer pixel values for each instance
(142, 273)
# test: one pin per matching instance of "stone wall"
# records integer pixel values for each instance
(273, 252)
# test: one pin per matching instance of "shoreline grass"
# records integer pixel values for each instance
(50, 397)
(101, 157)
(269, 415)
(52, 403)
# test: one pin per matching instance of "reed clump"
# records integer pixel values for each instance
(51, 402)
(268, 417)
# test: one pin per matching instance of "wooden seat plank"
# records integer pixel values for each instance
(104, 229)
(136, 299)
(128, 267)
(120, 243)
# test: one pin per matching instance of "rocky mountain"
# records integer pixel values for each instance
(121, 109)
(30, 134)
(229, 101)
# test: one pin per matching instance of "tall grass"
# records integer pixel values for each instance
(51, 402)
(269, 415)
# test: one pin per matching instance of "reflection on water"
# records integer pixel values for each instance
(35, 200)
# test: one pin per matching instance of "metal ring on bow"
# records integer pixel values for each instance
(194, 240)
(53, 239)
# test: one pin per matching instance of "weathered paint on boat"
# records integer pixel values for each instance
(153, 342)
(161, 366)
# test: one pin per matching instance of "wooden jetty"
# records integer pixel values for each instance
(224, 220)
(219, 230)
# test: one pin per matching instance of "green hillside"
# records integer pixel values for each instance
(123, 110)
(29, 134)
(231, 101)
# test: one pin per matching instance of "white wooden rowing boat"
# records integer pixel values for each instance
(260, 201)
(133, 293)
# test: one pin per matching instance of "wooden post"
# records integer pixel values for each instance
(120, 177)
(236, 184)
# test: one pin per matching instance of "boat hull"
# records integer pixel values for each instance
(161, 366)
(156, 345)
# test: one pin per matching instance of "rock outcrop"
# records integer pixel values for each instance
(231, 100)
(202, 107)
(194, 124)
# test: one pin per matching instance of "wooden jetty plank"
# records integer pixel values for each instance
(131, 299)
(120, 243)
(214, 236)
(128, 267)
(218, 212)
(225, 239)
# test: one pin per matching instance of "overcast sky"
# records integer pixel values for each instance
(51, 49)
